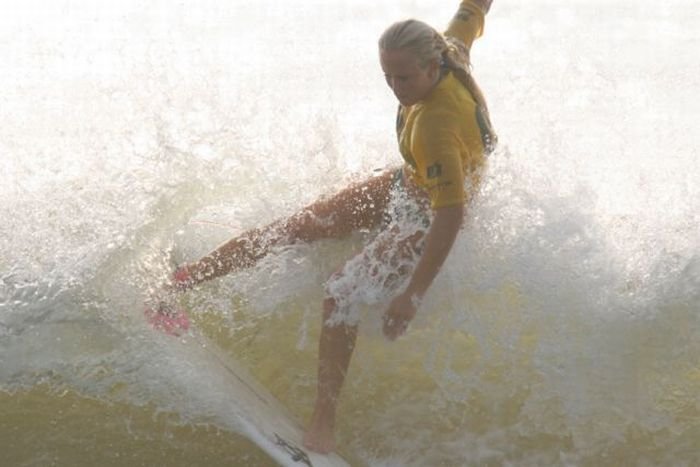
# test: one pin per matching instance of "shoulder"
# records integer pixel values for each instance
(436, 126)
(450, 100)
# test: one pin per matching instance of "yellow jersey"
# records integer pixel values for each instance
(444, 137)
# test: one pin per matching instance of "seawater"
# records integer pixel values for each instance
(563, 330)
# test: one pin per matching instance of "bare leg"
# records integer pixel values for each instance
(359, 206)
(337, 341)
(336, 345)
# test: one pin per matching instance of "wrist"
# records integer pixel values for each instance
(416, 300)
(415, 297)
(415, 290)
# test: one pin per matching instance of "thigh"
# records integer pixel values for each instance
(393, 254)
(376, 274)
(359, 206)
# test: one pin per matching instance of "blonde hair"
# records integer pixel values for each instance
(428, 45)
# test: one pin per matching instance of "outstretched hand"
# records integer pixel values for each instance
(401, 311)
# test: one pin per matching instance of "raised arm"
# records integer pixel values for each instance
(468, 23)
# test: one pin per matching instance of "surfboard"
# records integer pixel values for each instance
(267, 421)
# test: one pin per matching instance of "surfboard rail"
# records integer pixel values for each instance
(267, 421)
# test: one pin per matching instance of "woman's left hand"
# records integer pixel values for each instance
(400, 312)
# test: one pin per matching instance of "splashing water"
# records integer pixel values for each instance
(563, 330)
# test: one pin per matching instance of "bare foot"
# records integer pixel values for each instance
(319, 435)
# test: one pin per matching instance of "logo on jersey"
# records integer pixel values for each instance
(434, 171)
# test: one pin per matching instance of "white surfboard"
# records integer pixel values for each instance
(277, 432)
(267, 422)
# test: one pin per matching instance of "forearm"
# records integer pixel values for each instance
(438, 243)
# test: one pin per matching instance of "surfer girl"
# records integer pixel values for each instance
(417, 210)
